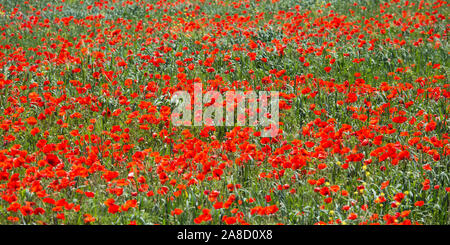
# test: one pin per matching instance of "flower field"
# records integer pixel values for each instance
(85, 112)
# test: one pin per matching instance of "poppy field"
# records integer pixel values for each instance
(85, 112)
